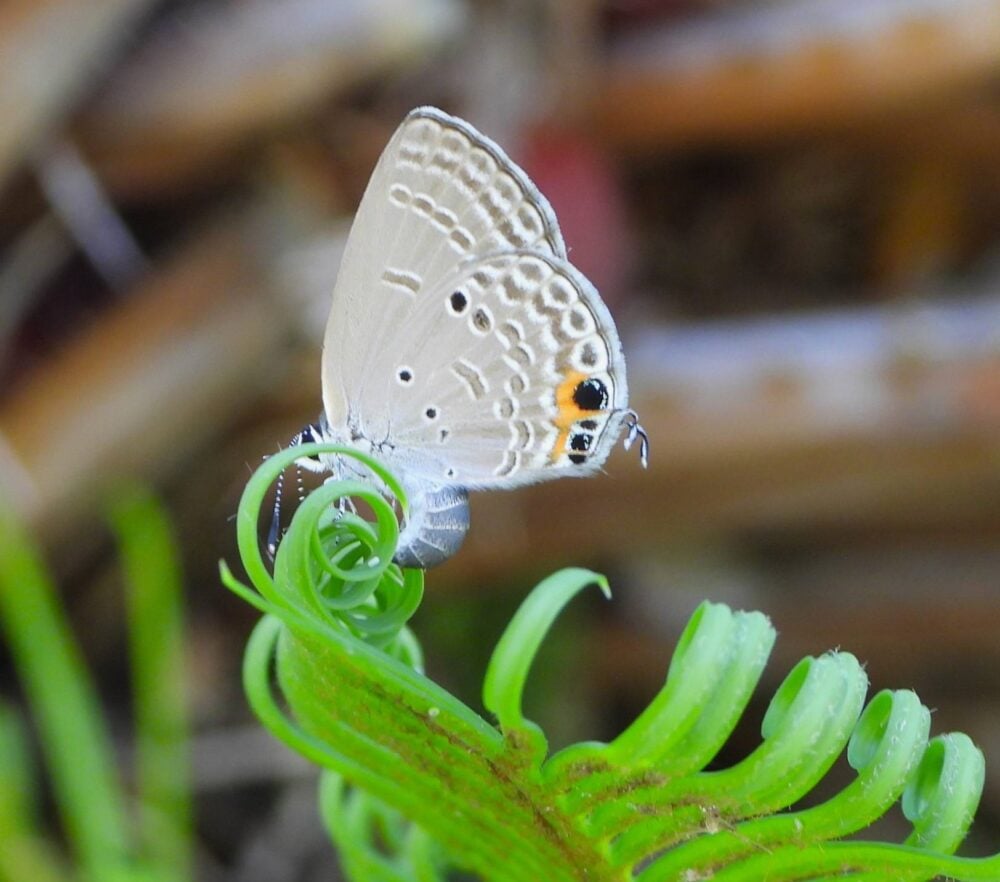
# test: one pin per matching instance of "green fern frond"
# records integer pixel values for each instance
(417, 782)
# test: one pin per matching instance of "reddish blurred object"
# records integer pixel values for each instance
(581, 183)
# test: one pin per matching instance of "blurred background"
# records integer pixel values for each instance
(792, 208)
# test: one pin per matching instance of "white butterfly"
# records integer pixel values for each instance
(463, 349)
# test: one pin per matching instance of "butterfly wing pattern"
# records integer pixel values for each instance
(462, 346)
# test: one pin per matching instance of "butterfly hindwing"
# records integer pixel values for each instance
(511, 373)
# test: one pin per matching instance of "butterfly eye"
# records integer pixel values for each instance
(308, 435)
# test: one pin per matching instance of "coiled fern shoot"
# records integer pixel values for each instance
(417, 783)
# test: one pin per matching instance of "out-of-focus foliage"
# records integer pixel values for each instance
(105, 843)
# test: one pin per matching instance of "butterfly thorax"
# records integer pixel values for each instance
(438, 516)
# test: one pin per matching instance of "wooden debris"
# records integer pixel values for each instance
(215, 76)
(51, 50)
(756, 70)
(139, 392)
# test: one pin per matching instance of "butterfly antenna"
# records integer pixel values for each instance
(300, 485)
(637, 431)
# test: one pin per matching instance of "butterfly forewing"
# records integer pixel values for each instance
(441, 193)
(465, 191)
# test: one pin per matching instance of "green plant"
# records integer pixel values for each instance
(104, 842)
(416, 782)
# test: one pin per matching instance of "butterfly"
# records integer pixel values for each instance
(463, 349)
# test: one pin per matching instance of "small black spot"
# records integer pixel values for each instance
(589, 425)
(450, 473)
(482, 320)
(405, 375)
(443, 435)
(581, 441)
(431, 413)
(591, 394)
(577, 458)
(588, 355)
(458, 302)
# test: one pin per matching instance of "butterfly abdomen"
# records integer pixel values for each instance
(435, 529)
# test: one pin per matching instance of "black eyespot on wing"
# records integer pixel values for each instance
(581, 441)
(431, 413)
(591, 394)
(589, 425)
(405, 375)
(577, 458)
(458, 302)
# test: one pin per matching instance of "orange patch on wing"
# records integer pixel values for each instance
(569, 410)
